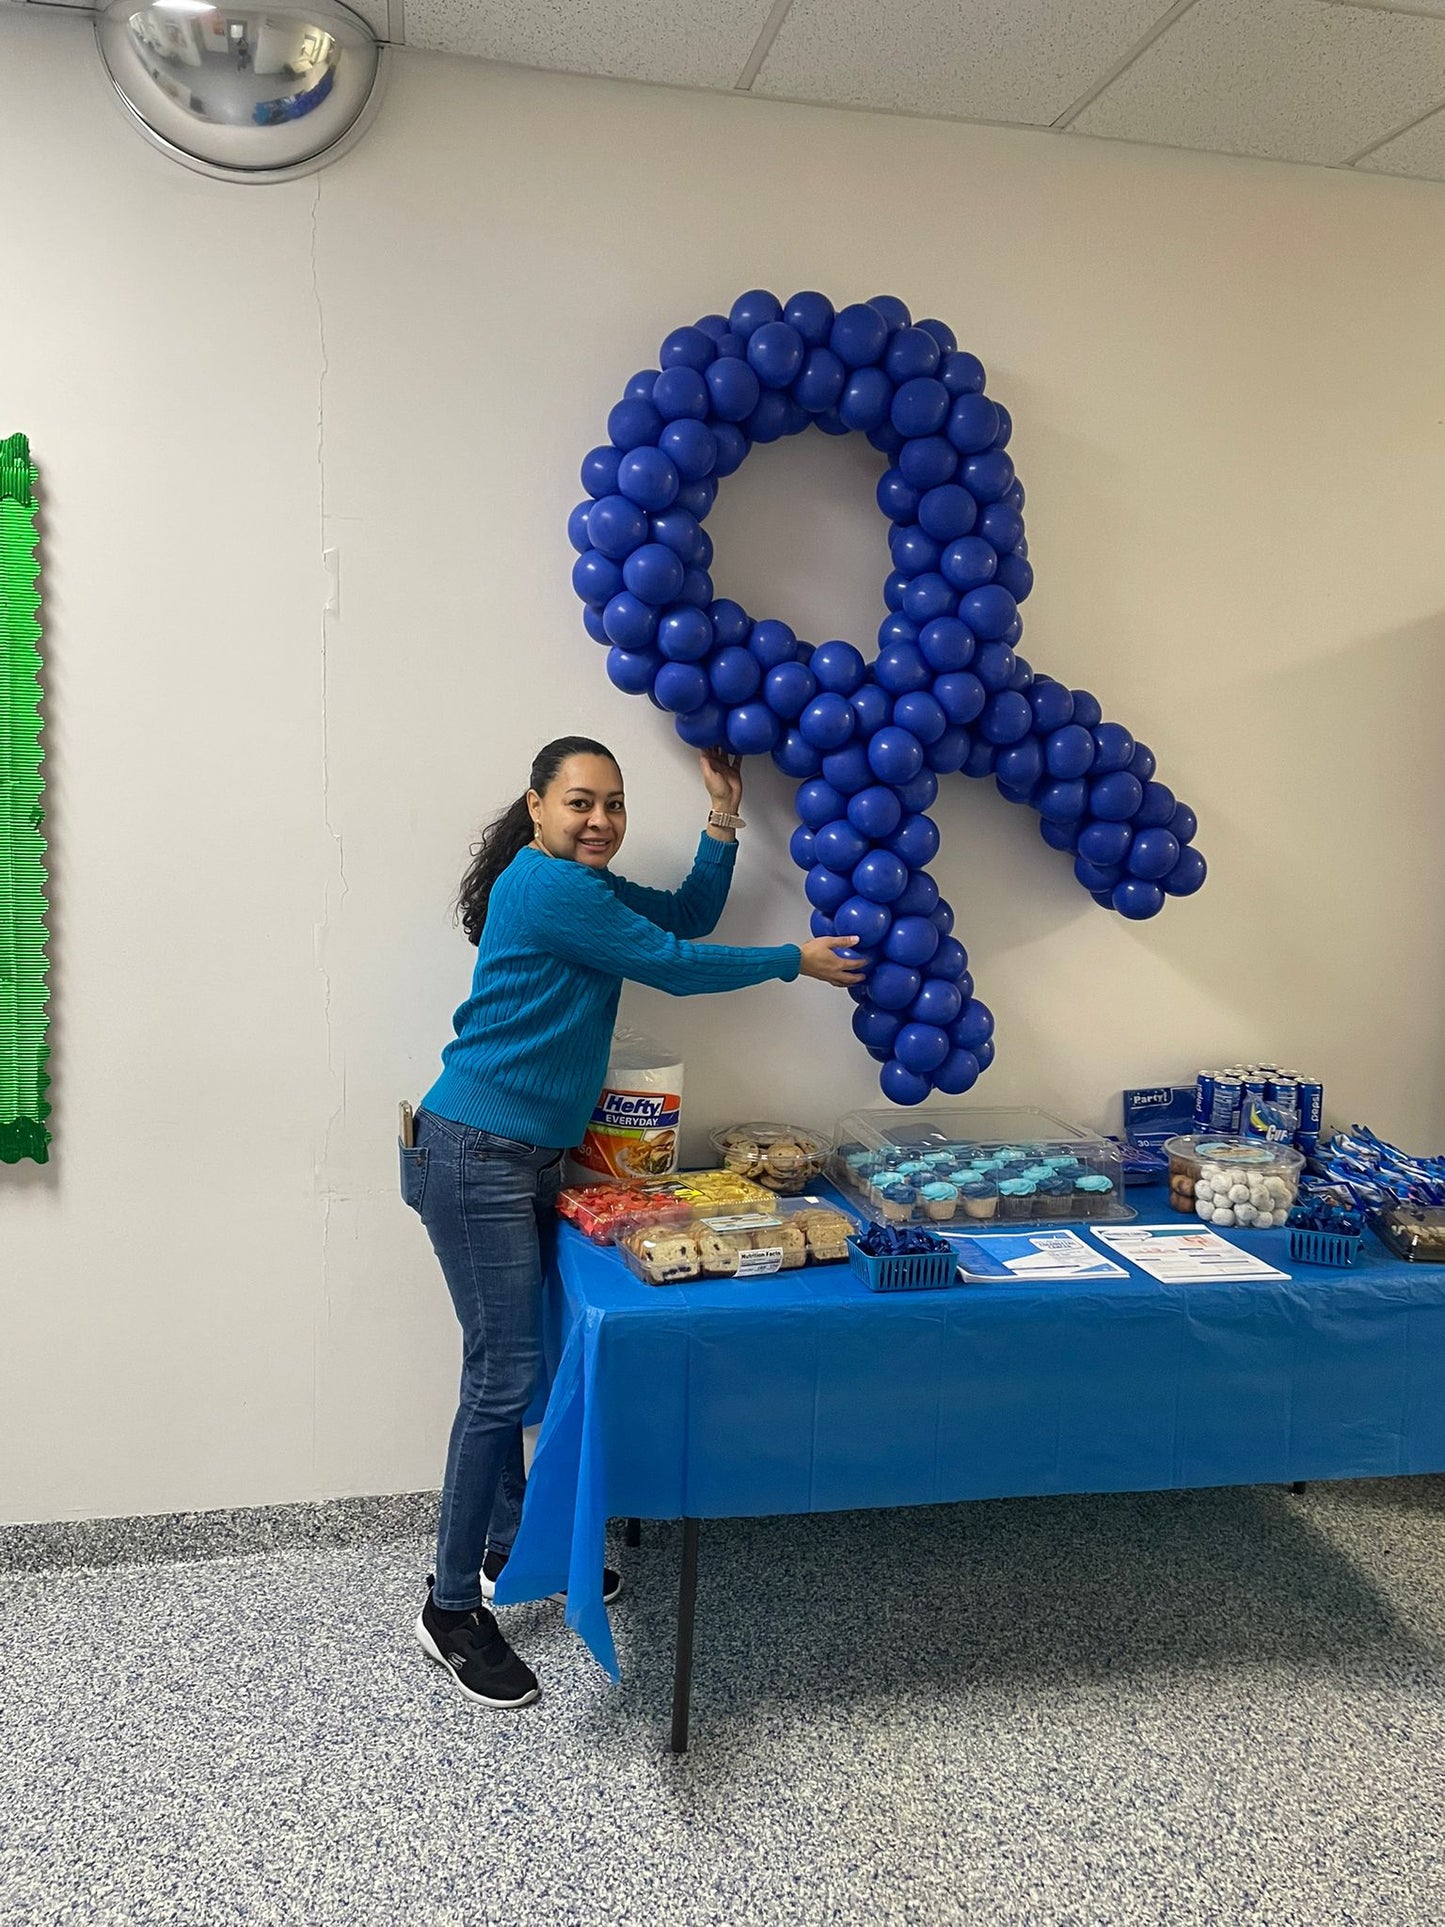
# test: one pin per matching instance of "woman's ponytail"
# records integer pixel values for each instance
(512, 831)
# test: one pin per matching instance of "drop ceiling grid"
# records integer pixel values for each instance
(1302, 80)
(1021, 61)
(698, 43)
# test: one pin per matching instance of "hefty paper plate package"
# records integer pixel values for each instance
(635, 1122)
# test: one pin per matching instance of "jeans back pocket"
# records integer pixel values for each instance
(413, 1173)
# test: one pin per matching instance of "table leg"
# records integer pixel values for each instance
(634, 1532)
(686, 1603)
(1297, 1485)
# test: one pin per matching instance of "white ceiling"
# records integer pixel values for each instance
(1339, 83)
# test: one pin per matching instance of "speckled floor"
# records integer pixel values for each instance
(1210, 1707)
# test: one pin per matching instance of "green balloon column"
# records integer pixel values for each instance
(23, 963)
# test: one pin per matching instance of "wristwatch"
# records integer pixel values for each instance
(725, 820)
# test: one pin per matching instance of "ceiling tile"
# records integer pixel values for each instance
(1420, 151)
(1301, 80)
(1001, 60)
(699, 45)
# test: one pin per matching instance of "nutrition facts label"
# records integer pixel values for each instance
(1183, 1257)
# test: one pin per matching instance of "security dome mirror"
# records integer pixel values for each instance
(243, 92)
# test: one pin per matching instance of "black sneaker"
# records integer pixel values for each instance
(493, 1562)
(471, 1647)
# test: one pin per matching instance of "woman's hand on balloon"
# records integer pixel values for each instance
(826, 959)
(723, 775)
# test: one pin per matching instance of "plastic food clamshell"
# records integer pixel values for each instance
(977, 1168)
(745, 1244)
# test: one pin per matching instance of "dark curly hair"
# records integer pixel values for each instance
(513, 830)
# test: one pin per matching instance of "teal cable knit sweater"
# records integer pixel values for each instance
(530, 1052)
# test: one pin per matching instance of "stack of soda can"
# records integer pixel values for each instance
(1222, 1100)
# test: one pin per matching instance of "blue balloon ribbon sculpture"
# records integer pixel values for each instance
(947, 690)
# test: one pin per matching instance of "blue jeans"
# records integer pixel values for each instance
(486, 1204)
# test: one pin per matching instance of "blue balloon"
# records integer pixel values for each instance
(880, 876)
(1156, 811)
(788, 689)
(947, 514)
(901, 668)
(1001, 527)
(735, 675)
(945, 337)
(1096, 878)
(848, 769)
(633, 424)
(927, 461)
(772, 643)
(730, 620)
(1105, 842)
(703, 728)
(920, 896)
(895, 755)
(653, 573)
(898, 500)
(592, 622)
(865, 399)
(961, 373)
(819, 386)
(994, 664)
(859, 335)
(753, 310)
(921, 1047)
(1069, 751)
(629, 621)
(811, 314)
(875, 1028)
(839, 844)
(913, 551)
(1006, 717)
(795, 756)
(776, 353)
(680, 393)
(929, 597)
(972, 423)
(1113, 748)
(1183, 823)
(920, 406)
(1115, 797)
(838, 667)
(1153, 854)
(974, 1025)
(681, 532)
(1059, 836)
(946, 644)
(871, 706)
(958, 1072)
(1016, 575)
(912, 940)
(916, 840)
(911, 352)
(1052, 704)
(1142, 763)
(801, 847)
(1086, 708)
(1134, 898)
(1062, 802)
(599, 471)
(919, 792)
(875, 812)
(825, 889)
(640, 387)
(631, 670)
(691, 447)
(938, 1002)
(648, 477)
(950, 960)
(733, 389)
(1187, 875)
(989, 476)
(595, 577)
(752, 729)
(893, 311)
(988, 611)
(684, 634)
(893, 986)
(1020, 766)
(821, 925)
(921, 715)
(681, 686)
(950, 752)
(686, 348)
(828, 721)
(864, 919)
(901, 1085)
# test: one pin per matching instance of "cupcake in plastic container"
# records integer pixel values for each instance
(899, 1199)
(1017, 1197)
(939, 1199)
(1056, 1196)
(979, 1198)
(1094, 1194)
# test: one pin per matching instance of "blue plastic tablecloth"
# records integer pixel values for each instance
(806, 1392)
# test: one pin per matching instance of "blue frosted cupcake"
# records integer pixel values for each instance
(980, 1198)
(939, 1199)
(1095, 1194)
(1018, 1197)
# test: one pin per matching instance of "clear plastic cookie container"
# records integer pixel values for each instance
(1229, 1181)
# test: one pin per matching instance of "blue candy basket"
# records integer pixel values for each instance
(1336, 1248)
(915, 1271)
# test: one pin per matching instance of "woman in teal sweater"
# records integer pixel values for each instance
(556, 934)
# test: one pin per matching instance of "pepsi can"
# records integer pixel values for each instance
(1311, 1108)
(1228, 1102)
(1204, 1101)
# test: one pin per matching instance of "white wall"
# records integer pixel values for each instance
(1229, 400)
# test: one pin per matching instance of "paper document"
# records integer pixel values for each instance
(1028, 1255)
(1184, 1257)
